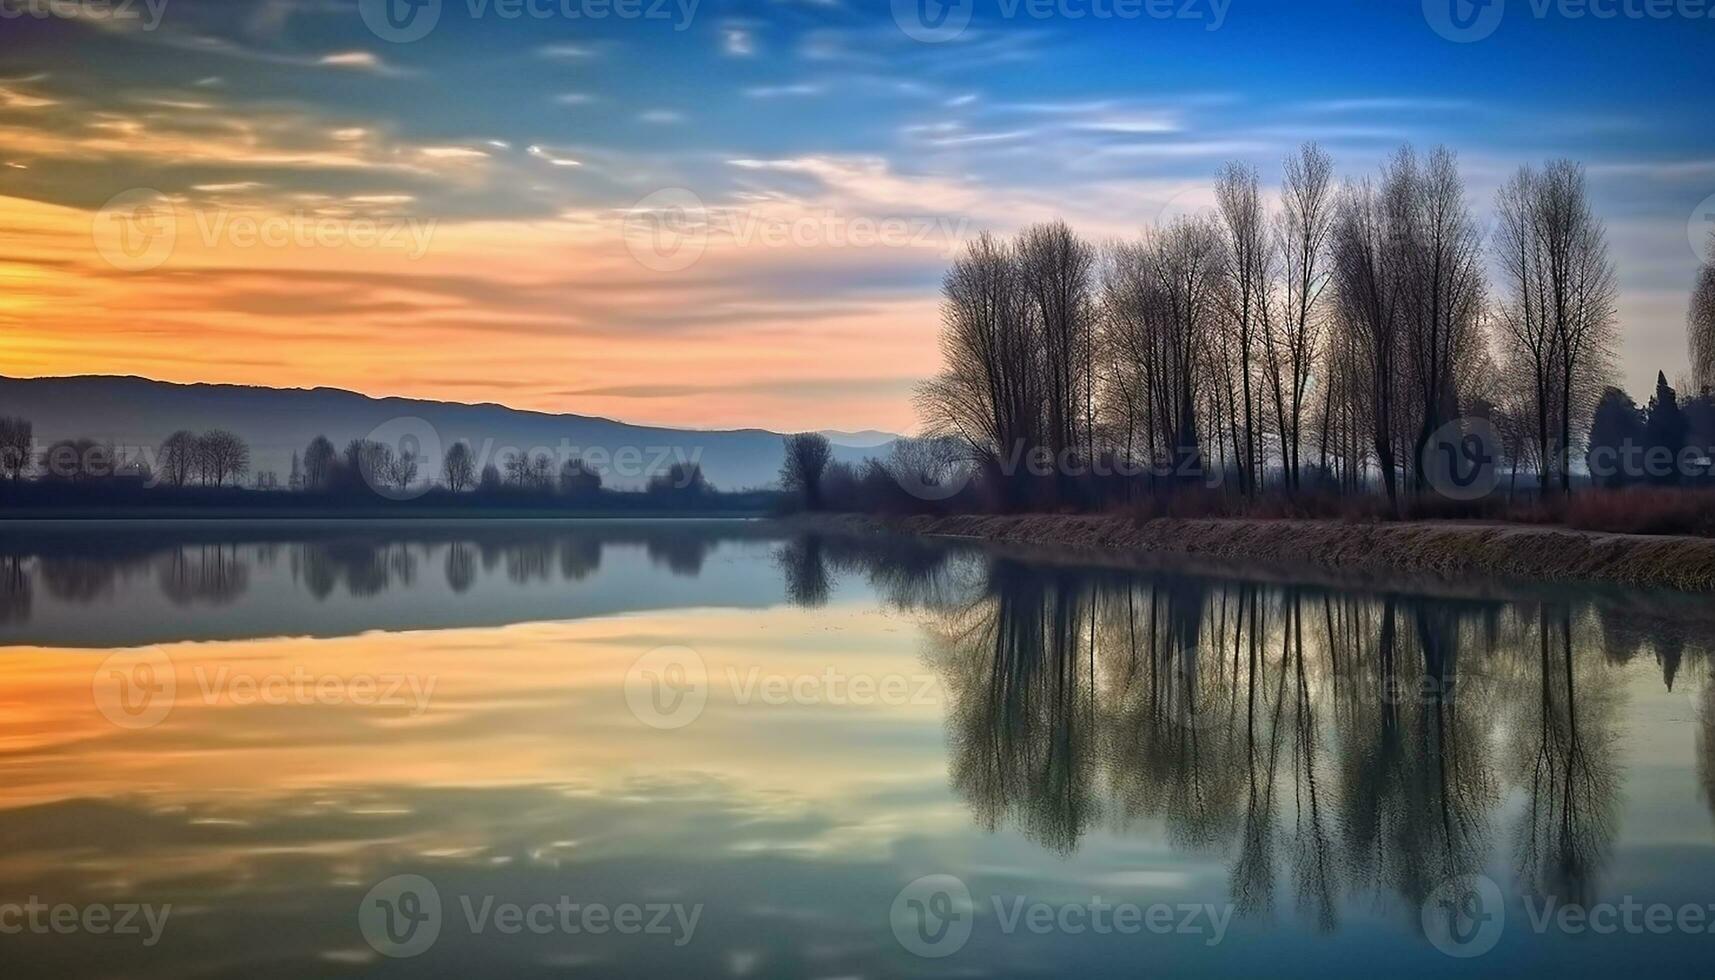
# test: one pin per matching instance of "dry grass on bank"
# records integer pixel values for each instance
(1635, 510)
(1449, 549)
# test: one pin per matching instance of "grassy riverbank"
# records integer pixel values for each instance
(1443, 549)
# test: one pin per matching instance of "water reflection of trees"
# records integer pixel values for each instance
(1567, 765)
(15, 590)
(211, 573)
(215, 567)
(1323, 743)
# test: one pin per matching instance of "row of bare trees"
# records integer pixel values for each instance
(1331, 333)
(209, 458)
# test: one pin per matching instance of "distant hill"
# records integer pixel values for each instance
(133, 413)
(867, 439)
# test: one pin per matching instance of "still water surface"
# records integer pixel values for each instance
(721, 749)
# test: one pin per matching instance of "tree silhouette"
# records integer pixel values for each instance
(807, 455)
(1617, 426)
(459, 469)
(17, 443)
(1665, 433)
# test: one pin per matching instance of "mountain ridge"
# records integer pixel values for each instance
(135, 412)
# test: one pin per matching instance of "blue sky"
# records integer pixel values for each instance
(528, 141)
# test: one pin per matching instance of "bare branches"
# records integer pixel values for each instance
(1557, 319)
(1352, 320)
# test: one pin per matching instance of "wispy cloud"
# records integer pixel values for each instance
(784, 91)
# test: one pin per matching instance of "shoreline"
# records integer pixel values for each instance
(1446, 551)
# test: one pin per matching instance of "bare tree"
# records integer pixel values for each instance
(1248, 272)
(989, 393)
(1365, 264)
(1295, 339)
(1443, 286)
(1582, 299)
(320, 462)
(221, 455)
(179, 457)
(1162, 306)
(1056, 270)
(807, 455)
(17, 446)
(403, 471)
(459, 469)
(925, 462)
(1528, 341)
(371, 461)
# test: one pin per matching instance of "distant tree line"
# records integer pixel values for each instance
(366, 464)
(215, 458)
(209, 468)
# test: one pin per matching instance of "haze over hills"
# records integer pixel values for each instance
(136, 414)
(865, 439)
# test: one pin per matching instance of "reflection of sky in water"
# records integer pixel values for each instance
(1065, 735)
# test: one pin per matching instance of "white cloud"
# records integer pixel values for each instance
(738, 42)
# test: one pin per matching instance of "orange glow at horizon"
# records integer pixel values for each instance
(549, 315)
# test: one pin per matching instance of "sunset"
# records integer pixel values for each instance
(494, 164)
(857, 488)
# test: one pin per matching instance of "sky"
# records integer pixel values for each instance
(724, 213)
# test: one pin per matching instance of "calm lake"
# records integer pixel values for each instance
(723, 749)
